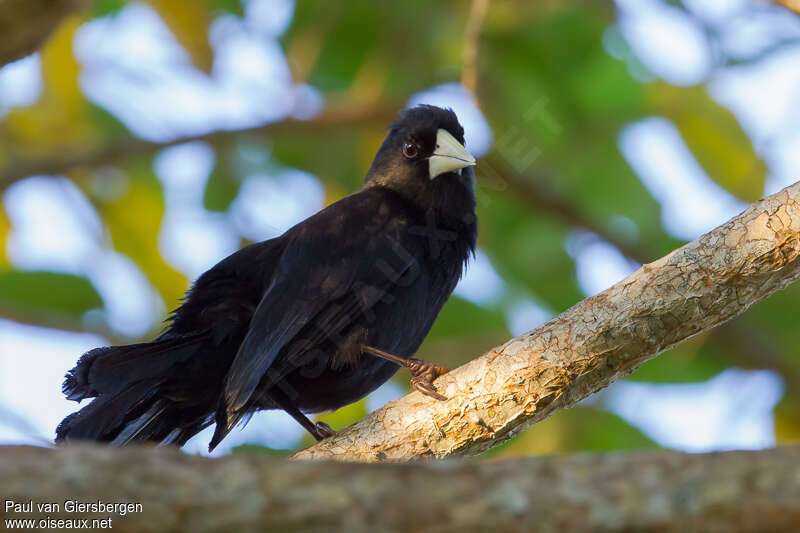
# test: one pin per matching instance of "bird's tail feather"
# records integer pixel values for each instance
(129, 403)
(107, 415)
(225, 423)
(111, 369)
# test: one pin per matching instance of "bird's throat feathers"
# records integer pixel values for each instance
(448, 203)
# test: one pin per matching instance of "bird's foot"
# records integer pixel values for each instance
(423, 375)
(323, 431)
(422, 372)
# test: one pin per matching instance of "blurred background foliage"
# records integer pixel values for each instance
(557, 83)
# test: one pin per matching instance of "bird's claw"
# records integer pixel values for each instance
(423, 375)
(324, 431)
(427, 388)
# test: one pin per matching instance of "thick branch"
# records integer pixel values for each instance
(746, 345)
(658, 490)
(26, 24)
(697, 287)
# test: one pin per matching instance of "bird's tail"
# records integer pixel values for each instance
(134, 399)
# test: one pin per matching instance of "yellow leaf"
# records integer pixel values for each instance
(134, 221)
(5, 229)
(303, 51)
(367, 148)
(370, 81)
(713, 134)
(60, 69)
(576, 429)
(189, 21)
(547, 437)
(787, 422)
(333, 193)
(60, 118)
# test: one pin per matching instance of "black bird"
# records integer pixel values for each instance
(306, 322)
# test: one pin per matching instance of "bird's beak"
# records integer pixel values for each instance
(449, 155)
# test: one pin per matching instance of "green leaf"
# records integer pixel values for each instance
(460, 317)
(134, 220)
(352, 34)
(693, 361)
(557, 112)
(102, 8)
(233, 7)
(774, 338)
(220, 192)
(47, 293)
(462, 331)
(527, 249)
(604, 86)
(224, 181)
(111, 127)
(361, 47)
(333, 158)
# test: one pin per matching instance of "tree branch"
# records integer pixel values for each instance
(472, 35)
(26, 24)
(532, 190)
(697, 287)
(655, 490)
(747, 345)
(792, 5)
(329, 122)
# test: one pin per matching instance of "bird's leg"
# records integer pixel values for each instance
(319, 431)
(422, 372)
(323, 431)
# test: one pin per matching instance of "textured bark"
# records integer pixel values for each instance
(602, 338)
(656, 490)
(26, 24)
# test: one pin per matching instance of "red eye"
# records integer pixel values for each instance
(410, 150)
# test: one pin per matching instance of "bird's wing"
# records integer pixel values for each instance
(344, 252)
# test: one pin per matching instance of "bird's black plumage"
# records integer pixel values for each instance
(283, 323)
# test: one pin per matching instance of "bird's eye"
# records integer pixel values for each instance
(410, 150)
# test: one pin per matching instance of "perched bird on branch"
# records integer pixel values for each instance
(306, 322)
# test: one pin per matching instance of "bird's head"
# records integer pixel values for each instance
(425, 145)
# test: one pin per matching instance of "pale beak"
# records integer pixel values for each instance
(448, 156)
